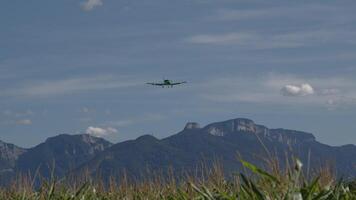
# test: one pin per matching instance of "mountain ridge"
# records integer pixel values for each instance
(183, 151)
(222, 140)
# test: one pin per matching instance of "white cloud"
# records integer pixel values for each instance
(278, 12)
(266, 90)
(100, 132)
(11, 113)
(340, 101)
(273, 40)
(91, 4)
(297, 90)
(271, 37)
(85, 119)
(122, 123)
(328, 92)
(228, 38)
(107, 112)
(69, 86)
(85, 110)
(248, 40)
(318, 13)
(24, 122)
(148, 117)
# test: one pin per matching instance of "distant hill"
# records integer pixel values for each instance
(221, 141)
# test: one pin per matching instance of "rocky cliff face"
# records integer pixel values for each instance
(247, 126)
(61, 153)
(192, 126)
(235, 125)
(9, 153)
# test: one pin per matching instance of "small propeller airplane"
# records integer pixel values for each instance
(168, 83)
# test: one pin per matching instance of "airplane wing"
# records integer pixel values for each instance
(158, 84)
(179, 83)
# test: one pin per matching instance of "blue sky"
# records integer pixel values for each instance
(80, 66)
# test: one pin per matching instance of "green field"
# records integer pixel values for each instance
(253, 183)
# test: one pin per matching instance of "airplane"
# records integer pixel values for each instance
(167, 83)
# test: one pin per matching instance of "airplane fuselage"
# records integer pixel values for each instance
(167, 83)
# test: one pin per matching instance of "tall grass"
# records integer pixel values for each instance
(254, 183)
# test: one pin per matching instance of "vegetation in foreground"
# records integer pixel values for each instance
(254, 183)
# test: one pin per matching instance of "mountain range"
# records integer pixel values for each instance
(225, 142)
